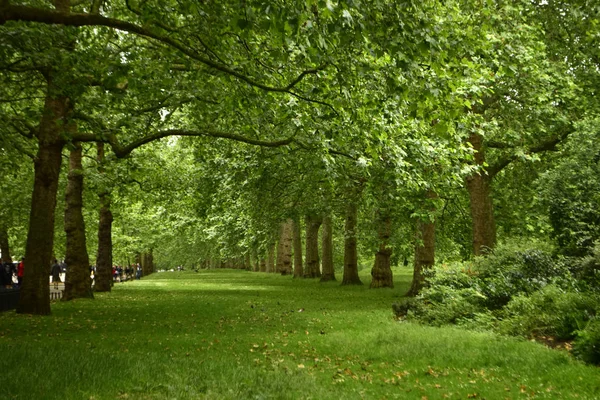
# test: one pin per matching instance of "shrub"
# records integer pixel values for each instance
(587, 343)
(548, 312)
(506, 273)
(586, 270)
(452, 294)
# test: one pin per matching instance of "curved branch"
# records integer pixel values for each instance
(10, 12)
(123, 151)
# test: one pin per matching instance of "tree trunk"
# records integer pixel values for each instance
(78, 283)
(424, 251)
(482, 210)
(297, 240)
(284, 250)
(382, 271)
(262, 265)
(103, 275)
(35, 291)
(327, 249)
(350, 253)
(4, 247)
(147, 263)
(271, 258)
(312, 247)
(247, 264)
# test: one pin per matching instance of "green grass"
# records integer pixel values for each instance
(226, 334)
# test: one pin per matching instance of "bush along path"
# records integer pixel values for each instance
(524, 293)
(224, 334)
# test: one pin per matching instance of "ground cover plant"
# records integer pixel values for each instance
(224, 334)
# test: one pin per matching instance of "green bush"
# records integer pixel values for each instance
(586, 270)
(452, 295)
(506, 273)
(587, 343)
(548, 312)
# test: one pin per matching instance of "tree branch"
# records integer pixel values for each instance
(124, 150)
(547, 145)
(10, 12)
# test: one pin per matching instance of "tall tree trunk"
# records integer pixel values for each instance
(247, 263)
(147, 262)
(480, 197)
(53, 128)
(4, 247)
(424, 251)
(78, 283)
(262, 265)
(284, 249)
(350, 253)
(35, 291)
(297, 240)
(382, 271)
(312, 247)
(254, 259)
(327, 250)
(103, 275)
(271, 258)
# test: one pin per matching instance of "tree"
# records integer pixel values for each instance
(78, 283)
(327, 250)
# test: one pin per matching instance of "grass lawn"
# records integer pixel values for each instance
(225, 334)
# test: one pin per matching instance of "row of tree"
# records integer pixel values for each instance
(282, 110)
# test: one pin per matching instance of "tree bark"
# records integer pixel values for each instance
(35, 291)
(382, 271)
(103, 275)
(312, 247)
(297, 240)
(424, 251)
(350, 253)
(262, 265)
(480, 197)
(327, 250)
(284, 249)
(271, 258)
(247, 264)
(147, 262)
(78, 283)
(4, 246)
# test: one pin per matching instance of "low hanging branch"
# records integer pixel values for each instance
(124, 150)
(9, 12)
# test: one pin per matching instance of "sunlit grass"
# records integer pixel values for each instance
(240, 335)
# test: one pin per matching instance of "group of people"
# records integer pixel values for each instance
(120, 275)
(8, 271)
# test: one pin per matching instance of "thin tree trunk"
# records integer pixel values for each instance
(350, 253)
(382, 271)
(247, 264)
(4, 247)
(480, 197)
(263, 265)
(424, 251)
(271, 258)
(103, 275)
(284, 250)
(35, 290)
(255, 260)
(297, 233)
(312, 247)
(327, 250)
(78, 283)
